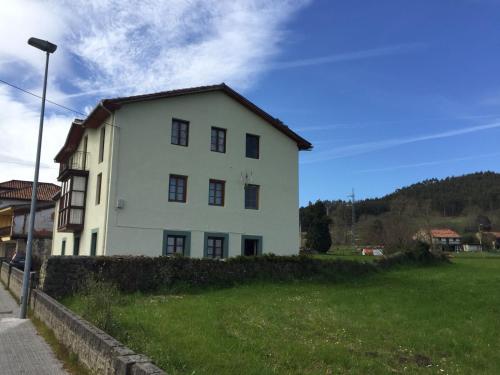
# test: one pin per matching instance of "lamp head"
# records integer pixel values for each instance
(43, 45)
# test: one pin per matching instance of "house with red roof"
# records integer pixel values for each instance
(15, 199)
(444, 239)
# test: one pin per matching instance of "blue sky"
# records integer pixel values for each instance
(389, 92)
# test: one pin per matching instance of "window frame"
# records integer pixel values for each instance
(252, 136)
(215, 183)
(66, 203)
(217, 139)
(98, 188)
(178, 133)
(102, 140)
(225, 244)
(175, 237)
(94, 245)
(184, 192)
(257, 199)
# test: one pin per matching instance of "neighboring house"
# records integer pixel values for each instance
(472, 247)
(489, 240)
(441, 239)
(199, 171)
(15, 199)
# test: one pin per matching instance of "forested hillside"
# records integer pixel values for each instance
(461, 203)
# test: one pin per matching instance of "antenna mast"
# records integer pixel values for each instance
(353, 224)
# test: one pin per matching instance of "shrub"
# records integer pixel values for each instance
(61, 276)
(98, 298)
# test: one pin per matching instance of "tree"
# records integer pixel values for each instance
(318, 232)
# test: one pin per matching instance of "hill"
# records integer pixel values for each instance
(461, 203)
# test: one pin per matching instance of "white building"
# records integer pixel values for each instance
(199, 171)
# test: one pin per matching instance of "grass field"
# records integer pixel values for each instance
(436, 320)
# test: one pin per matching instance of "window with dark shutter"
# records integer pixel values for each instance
(252, 197)
(252, 146)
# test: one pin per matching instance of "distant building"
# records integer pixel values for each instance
(472, 247)
(441, 239)
(489, 239)
(15, 199)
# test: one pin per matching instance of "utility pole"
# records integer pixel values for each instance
(353, 224)
(48, 48)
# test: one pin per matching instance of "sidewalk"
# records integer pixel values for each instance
(22, 350)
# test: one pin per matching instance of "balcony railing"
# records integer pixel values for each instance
(76, 163)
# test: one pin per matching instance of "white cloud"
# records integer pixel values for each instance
(19, 128)
(119, 47)
(429, 163)
(350, 56)
(367, 147)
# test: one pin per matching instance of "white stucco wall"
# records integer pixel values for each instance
(95, 215)
(142, 158)
(145, 158)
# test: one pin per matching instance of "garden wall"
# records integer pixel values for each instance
(13, 279)
(97, 350)
(61, 276)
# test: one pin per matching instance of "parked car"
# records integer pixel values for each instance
(18, 261)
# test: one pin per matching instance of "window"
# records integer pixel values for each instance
(252, 147)
(215, 247)
(84, 156)
(177, 188)
(218, 140)
(72, 202)
(98, 189)
(252, 197)
(180, 132)
(101, 144)
(93, 244)
(76, 245)
(216, 192)
(175, 244)
(63, 247)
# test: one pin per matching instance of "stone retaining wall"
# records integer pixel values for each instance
(5, 274)
(96, 350)
(13, 279)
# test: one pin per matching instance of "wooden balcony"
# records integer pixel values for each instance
(76, 165)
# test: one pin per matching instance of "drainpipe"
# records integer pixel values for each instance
(105, 231)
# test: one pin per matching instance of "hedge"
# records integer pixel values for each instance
(62, 275)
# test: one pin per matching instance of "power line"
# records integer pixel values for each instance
(39, 97)
(50, 101)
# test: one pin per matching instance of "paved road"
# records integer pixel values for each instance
(22, 350)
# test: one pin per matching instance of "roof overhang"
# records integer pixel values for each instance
(107, 106)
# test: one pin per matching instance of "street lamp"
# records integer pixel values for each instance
(48, 48)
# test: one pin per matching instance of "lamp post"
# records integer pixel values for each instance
(48, 48)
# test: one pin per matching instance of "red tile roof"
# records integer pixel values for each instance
(102, 110)
(444, 233)
(44, 192)
(14, 184)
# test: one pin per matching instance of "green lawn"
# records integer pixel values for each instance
(437, 320)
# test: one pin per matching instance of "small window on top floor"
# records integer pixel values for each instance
(252, 146)
(218, 140)
(180, 132)
(101, 143)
